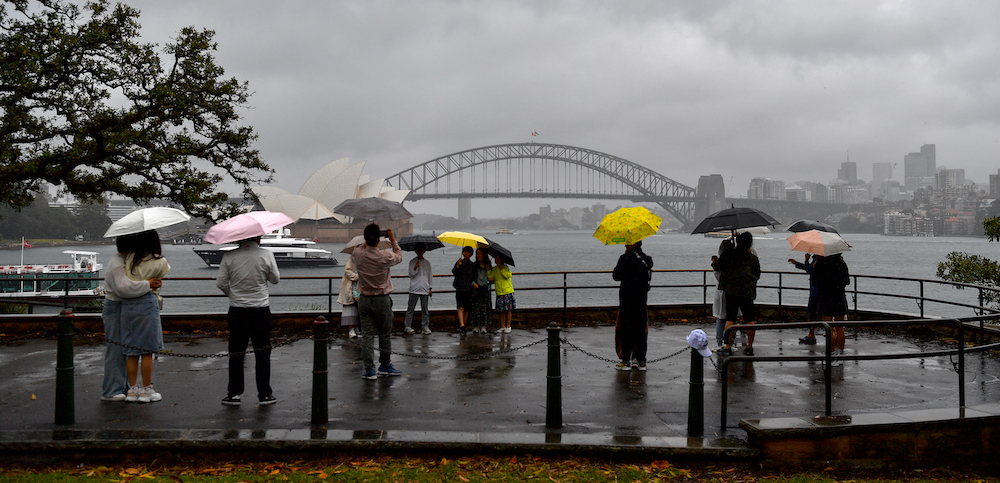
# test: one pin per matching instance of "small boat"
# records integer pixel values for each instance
(288, 251)
(81, 276)
(505, 231)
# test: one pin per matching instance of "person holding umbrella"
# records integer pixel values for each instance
(243, 276)
(465, 275)
(740, 271)
(420, 289)
(808, 265)
(832, 277)
(142, 333)
(500, 277)
(118, 288)
(374, 305)
(634, 271)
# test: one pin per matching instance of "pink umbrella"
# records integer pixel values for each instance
(247, 225)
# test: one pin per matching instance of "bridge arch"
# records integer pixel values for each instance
(539, 170)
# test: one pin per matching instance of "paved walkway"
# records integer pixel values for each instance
(498, 399)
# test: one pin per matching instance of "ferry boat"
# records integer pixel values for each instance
(288, 251)
(505, 231)
(81, 276)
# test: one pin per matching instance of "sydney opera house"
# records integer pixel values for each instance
(312, 207)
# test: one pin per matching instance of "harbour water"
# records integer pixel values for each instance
(551, 251)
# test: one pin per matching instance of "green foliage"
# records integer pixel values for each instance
(965, 268)
(39, 220)
(85, 106)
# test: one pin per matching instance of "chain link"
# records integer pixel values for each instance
(166, 352)
(615, 361)
(469, 357)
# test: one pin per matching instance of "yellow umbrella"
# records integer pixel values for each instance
(626, 226)
(463, 239)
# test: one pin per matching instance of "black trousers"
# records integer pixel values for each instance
(249, 324)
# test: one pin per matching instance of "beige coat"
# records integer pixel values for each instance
(346, 284)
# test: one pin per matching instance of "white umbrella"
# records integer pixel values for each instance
(146, 219)
(359, 240)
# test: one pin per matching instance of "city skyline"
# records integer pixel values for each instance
(684, 88)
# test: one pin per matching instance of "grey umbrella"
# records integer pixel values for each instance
(732, 219)
(806, 225)
(373, 209)
(409, 242)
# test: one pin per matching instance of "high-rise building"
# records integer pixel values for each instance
(950, 178)
(881, 172)
(465, 210)
(995, 185)
(766, 189)
(922, 164)
(848, 172)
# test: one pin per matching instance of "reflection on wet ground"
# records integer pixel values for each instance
(462, 384)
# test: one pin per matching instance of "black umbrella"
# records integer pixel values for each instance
(733, 219)
(495, 249)
(409, 242)
(806, 225)
(373, 209)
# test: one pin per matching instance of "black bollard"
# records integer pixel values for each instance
(320, 406)
(65, 405)
(696, 395)
(553, 399)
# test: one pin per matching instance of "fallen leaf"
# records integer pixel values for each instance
(32, 397)
(463, 478)
(660, 464)
(132, 471)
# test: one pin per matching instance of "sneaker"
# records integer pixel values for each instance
(807, 340)
(408, 330)
(726, 351)
(233, 400)
(151, 394)
(117, 397)
(267, 401)
(426, 330)
(353, 334)
(482, 330)
(623, 366)
(369, 374)
(748, 351)
(463, 330)
(506, 330)
(501, 330)
(388, 371)
(642, 366)
(143, 397)
(133, 394)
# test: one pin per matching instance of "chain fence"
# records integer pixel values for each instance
(466, 357)
(167, 352)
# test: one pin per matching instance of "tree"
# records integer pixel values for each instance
(85, 106)
(966, 268)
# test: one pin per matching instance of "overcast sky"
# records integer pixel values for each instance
(782, 90)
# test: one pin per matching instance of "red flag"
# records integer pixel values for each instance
(26, 244)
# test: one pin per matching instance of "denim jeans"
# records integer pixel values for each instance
(425, 315)
(376, 318)
(115, 377)
(720, 329)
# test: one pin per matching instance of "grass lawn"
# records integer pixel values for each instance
(466, 469)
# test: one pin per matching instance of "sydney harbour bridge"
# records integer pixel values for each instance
(539, 170)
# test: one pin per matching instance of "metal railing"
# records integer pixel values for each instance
(827, 358)
(596, 288)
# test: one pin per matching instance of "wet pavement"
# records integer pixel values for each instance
(498, 399)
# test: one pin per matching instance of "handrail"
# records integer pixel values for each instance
(567, 287)
(828, 358)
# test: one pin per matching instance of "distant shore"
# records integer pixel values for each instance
(16, 244)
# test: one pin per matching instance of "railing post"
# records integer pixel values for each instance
(779, 289)
(565, 298)
(961, 364)
(320, 406)
(828, 372)
(329, 298)
(65, 404)
(922, 299)
(696, 395)
(553, 398)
